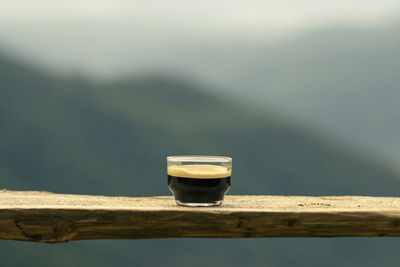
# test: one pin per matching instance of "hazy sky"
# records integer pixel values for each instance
(211, 14)
(111, 37)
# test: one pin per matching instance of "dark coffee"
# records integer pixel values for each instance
(192, 190)
(199, 184)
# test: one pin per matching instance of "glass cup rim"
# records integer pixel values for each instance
(198, 158)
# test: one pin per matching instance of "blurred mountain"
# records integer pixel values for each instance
(341, 79)
(70, 136)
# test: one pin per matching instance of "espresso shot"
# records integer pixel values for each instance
(196, 185)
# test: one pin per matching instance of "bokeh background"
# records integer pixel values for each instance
(302, 94)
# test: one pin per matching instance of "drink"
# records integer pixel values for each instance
(199, 180)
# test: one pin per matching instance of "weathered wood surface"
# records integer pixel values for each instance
(52, 218)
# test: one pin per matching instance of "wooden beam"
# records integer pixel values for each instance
(52, 218)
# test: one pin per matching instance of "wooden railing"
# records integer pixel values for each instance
(53, 218)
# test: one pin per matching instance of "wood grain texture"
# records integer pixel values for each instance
(52, 218)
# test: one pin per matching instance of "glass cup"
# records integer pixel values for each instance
(199, 181)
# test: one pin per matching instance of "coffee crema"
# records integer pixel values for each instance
(199, 171)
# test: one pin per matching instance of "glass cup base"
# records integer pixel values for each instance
(210, 204)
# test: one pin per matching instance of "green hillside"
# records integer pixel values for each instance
(71, 136)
